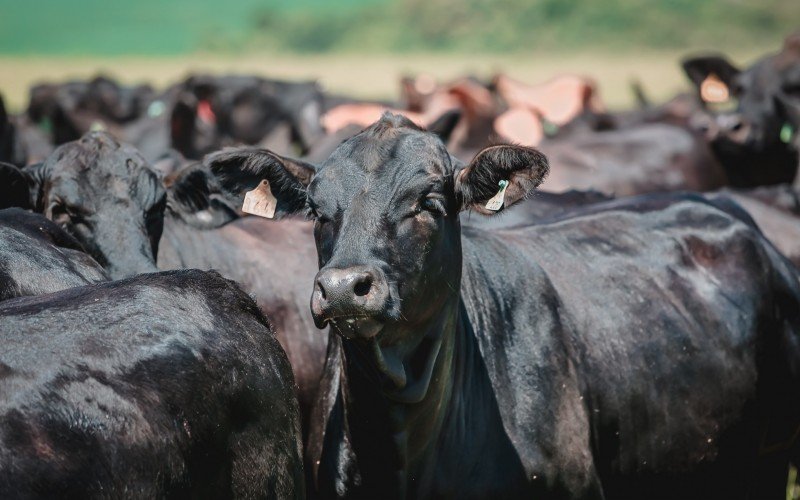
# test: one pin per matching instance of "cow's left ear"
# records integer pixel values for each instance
(498, 177)
(699, 69)
(242, 169)
(194, 195)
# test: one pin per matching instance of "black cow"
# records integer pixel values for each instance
(70, 109)
(774, 209)
(9, 151)
(162, 385)
(751, 141)
(539, 207)
(202, 230)
(37, 257)
(105, 195)
(211, 112)
(655, 354)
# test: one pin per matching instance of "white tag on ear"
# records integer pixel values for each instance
(260, 201)
(496, 202)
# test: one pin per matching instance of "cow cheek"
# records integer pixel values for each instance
(423, 257)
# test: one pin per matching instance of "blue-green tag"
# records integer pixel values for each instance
(550, 129)
(787, 132)
(496, 203)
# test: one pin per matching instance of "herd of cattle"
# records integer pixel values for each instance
(631, 329)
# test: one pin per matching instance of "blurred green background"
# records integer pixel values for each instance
(154, 27)
(361, 47)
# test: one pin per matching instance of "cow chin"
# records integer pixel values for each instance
(356, 327)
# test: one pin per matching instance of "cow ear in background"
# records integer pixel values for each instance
(445, 124)
(699, 69)
(194, 196)
(498, 177)
(182, 120)
(242, 169)
(3, 113)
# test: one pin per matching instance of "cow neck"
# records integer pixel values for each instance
(398, 439)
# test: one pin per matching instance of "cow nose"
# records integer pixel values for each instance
(734, 127)
(705, 125)
(352, 292)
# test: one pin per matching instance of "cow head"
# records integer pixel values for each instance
(213, 112)
(105, 195)
(68, 110)
(749, 137)
(386, 209)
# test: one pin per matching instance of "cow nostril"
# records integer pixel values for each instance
(363, 287)
(736, 126)
(321, 290)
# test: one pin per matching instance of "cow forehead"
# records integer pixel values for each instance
(382, 162)
(88, 167)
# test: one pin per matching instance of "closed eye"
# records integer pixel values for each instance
(433, 203)
(792, 90)
(62, 212)
(311, 212)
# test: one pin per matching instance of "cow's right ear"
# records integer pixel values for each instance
(14, 190)
(20, 187)
(699, 69)
(242, 169)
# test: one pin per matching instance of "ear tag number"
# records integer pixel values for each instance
(496, 203)
(260, 201)
(787, 131)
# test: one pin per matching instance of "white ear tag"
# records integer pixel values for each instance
(496, 203)
(260, 201)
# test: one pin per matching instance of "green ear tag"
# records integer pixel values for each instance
(787, 131)
(550, 129)
(496, 203)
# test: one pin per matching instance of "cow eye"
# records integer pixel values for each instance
(433, 204)
(792, 90)
(312, 210)
(63, 213)
(156, 211)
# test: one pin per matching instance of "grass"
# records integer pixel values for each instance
(367, 75)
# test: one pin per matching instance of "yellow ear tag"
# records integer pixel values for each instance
(260, 201)
(496, 203)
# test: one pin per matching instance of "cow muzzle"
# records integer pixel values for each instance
(734, 128)
(354, 300)
(727, 127)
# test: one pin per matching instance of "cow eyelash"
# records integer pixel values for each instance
(312, 214)
(432, 204)
(59, 207)
(311, 210)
